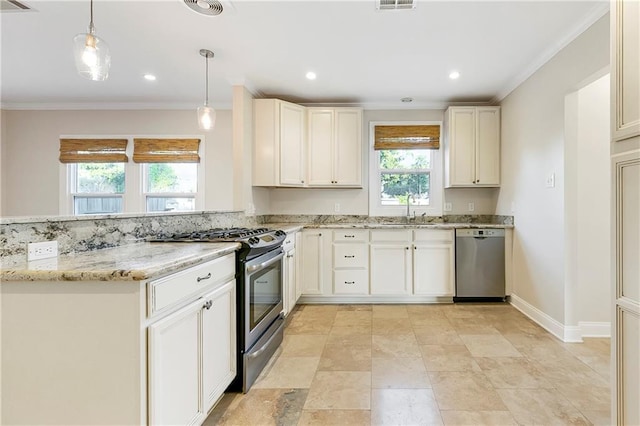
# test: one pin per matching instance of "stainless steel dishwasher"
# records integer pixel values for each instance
(479, 264)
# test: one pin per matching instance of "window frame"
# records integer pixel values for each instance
(134, 196)
(436, 177)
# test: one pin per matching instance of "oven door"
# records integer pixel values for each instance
(263, 294)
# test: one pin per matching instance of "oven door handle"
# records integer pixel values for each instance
(254, 268)
(266, 345)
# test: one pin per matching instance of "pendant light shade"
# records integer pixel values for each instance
(91, 54)
(206, 114)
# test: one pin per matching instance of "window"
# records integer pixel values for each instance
(96, 169)
(170, 173)
(165, 175)
(405, 167)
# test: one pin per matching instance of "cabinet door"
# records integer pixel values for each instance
(289, 298)
(433, 270)
(291, 144)
(321, 147)
(625, 69)
(174, 368)
(488, 146)
(462, 146)
(390, 269)
(348, 147)
(311, 262)
(218, 342)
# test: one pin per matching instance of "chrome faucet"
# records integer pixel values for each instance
(409, 197)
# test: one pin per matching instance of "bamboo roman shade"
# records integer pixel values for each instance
(93, 150)
(407, 137)
(166, 150)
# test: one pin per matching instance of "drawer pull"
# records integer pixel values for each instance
(206, 277)
(349, 236)
(349, 282)
(349, 256)
(208, 304)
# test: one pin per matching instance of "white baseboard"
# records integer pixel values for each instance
(566, 333)
(595, 329)
(543, 320)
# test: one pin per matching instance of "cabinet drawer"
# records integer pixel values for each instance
(359, 235)
(440, 235)
(395, 235)
(350, 256)
(350, 282)
(289, 242)
(176, 287)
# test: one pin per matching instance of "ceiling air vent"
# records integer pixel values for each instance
(396, 4)
(206, 7)
(13, 6)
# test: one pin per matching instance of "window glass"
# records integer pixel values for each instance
(172, 177)
(100, 178)
(403, 174)
(167, 204)
(97, 205)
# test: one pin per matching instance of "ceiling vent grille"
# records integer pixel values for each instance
(13, 6)
(206, 7)
(396, 4)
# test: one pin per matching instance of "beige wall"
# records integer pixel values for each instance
(30, 173)
(587, 210)
(532, 147)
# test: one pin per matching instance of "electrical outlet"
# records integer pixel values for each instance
(448, 207)
(472, 207)
(336, 207)
(42, 250)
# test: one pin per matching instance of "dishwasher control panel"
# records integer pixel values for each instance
(479, 232)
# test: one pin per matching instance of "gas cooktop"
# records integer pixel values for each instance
(252, 238)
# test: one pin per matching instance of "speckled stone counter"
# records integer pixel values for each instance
(405, 225)
(131, 262)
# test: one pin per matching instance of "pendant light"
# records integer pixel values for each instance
(91, 54)
(206, 114)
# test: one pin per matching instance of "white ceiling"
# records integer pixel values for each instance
(361, 55)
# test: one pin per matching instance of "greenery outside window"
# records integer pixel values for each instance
(170, 186)
(97, 188)
(402, 172)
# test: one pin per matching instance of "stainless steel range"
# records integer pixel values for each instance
(260, 320)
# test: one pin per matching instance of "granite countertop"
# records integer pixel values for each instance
(293, 227)
(131, 262)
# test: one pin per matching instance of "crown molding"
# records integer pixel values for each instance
(598, 11)
(62, 106)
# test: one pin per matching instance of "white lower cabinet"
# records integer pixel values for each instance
(290, 292)
(390, 269)
(174, 368)
(192, 358)
(379, 265)
(433, 263)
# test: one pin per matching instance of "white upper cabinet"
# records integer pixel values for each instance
(472, 146)
(335, 147)
(279, 143)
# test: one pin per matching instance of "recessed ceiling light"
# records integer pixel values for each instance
(150, 77)
(407, 100)
(454, 75)
(311, 75)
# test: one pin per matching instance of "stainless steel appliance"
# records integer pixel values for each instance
(479, 265)
(260, 319)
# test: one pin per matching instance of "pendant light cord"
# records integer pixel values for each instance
(91, 27)
(206, 80)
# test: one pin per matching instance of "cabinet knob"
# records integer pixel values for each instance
(208, 305)
(301, 181)
(406, 248)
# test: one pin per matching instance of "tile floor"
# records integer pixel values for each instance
(462, 364)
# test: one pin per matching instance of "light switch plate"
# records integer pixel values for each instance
(448, 207)
(551, 180)
(472, 207)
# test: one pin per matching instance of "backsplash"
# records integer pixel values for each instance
(78, 234)
(327, 219)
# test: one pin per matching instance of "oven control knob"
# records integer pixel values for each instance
(254, 240)
(280, 233)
